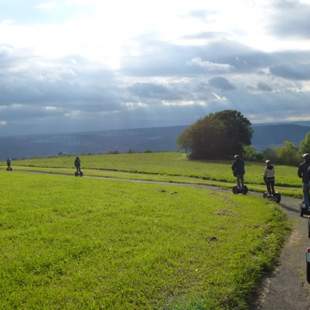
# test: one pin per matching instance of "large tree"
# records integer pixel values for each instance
(217, 136)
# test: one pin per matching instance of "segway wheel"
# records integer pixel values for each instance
(277, 197)
(76, 174)
(245, 190)
(235, 190)
(309, 227)
(308, 272)
(81, 173)
(301, 211)
(265, 195)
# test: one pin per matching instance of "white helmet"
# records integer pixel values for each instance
(268, 161)
(306, 156)
(236, 156)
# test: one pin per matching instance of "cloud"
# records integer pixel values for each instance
(292, 71)
(221, 83)
(210, 66)
(150, 91)
(200, 14)
(263, 86)
(206, 35)
(291, 19)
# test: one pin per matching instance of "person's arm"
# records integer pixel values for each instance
(299, 172)
(265, 173)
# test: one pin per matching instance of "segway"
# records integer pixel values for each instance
(9, 169)
(78, 173)
(273, 197)
(308, 264)
(305, 212)
(240, 190)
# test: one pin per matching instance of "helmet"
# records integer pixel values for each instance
(268, 161)
(306, 156)
(236, 156)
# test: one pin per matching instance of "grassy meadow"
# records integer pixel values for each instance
(173, 167)
(80, 243)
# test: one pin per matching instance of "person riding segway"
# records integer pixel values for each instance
(77, 164)
(269, 178)
(9, 164)
(238, 172)
(303, 173)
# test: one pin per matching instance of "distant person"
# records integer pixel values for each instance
(303, 170)
(9, 164)
(269, 177)
(77, 164)
(238, 170)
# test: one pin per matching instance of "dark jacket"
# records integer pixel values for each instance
(77, 163)
(303, 171)
(238, 167)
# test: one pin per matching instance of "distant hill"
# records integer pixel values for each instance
(139, 140)
(273, 135)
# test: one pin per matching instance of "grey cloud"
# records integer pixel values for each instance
(292, 71)
(163, 59)
(153, 91)
(263, 86)
(70, 82)
(291, 19)
(163, 86)
(221, 83)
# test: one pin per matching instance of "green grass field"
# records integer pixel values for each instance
(72, 243)
(174, 167)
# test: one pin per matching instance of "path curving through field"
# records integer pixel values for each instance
(286, 288)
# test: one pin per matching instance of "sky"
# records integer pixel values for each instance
(82, 65)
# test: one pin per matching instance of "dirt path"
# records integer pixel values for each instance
(286, 288)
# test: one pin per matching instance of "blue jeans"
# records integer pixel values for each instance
(306, 190)
(240, 180)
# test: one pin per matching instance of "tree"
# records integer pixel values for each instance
(305, 144)
(271, 154)
(251, 154)
(288, 154)
(217, 136)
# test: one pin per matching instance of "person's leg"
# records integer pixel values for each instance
(306, 188)
(238, 181)
(268, 186)
(242, 180)
(266, 183)
(272, 183)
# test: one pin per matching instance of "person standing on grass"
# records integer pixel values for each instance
(269, 177)
(77, 164)
(304, 175)
(9, 163)
(238, 170)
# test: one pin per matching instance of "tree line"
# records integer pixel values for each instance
(222, 134)
(286, 154)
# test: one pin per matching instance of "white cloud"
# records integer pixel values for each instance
(211, 66)
(184, 103)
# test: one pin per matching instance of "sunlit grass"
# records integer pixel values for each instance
(78, 243)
